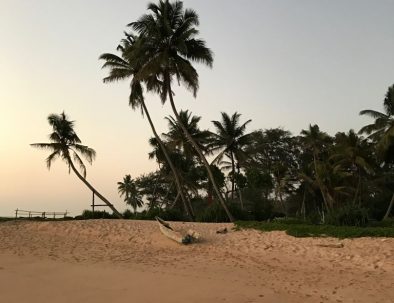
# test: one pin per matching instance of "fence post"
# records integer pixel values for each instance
(16, 214)
(29, 214)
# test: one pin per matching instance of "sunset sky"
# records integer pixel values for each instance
(279, 63)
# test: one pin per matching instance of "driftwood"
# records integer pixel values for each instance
(169, 232)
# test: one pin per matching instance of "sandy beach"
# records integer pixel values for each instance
(131, 261)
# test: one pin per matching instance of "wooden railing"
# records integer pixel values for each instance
(20, 213)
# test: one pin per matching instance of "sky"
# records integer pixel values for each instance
(281, 63)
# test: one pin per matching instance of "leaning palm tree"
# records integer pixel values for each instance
(129, 190)
(65, 144)
(169, 44)
(230, 139)
(121, 68)
(381, 132)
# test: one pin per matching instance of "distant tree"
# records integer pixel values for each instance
(275, 152)
(129, 191)
(316, 142)
(230, 140)
(176, 138)
(65, 144)
(351, 154)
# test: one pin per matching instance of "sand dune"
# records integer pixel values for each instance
(131, 261)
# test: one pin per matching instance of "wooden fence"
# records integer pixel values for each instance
(20, 213)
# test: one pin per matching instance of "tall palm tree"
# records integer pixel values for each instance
(231, 139)
(121, 68)
(168, 46)
(65, 144)
(315, 141)
(129, 190)
(382, 132)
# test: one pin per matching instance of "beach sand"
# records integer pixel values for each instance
(131, 261)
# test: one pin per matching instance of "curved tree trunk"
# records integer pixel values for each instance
(200, 154)
(110, 205)
(386, 216)
(177, 181)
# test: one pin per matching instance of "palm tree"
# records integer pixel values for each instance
(176, 138)
(168, 45)
(351, 154)
(65, 144)
(231, 139)
(129, 190)
(315, 141)
(381, 132)
(121, 68)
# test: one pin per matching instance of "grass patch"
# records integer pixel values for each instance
(309, 230)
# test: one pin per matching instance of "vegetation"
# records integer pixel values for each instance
(65, 144)
(297, 229)
(338, 180)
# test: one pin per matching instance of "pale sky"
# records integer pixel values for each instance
(279, 63)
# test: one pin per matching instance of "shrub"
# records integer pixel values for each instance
(127, 214)
(314, 218)
(216, 213)
(349, 215)
(98, 214)
(167, 215)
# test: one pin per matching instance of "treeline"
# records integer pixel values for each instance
(346, 179)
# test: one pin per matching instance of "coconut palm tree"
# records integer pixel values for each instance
(352, 154)
(381, 132)
(176, 139)
(167, 48)
(121, 68)
(316, 141)
(231, 139)
(129, 190)
(65, 144)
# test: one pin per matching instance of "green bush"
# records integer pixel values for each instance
(349, 215)
(260, 208)
(98, 214)
(314, 218)
(167, 215)
(128, 214)
(216, 213)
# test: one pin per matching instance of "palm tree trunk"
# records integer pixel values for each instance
(386, 216)
(200, 154)
(303, 205)
(177, 181)
(110, 205)
(358, 188)
(320, 183)
(233, 176)
(174, 202)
